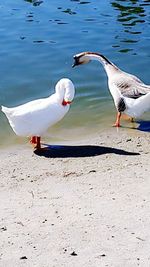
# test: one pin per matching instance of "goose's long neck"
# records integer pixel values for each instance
(65, 90)
(109, 67)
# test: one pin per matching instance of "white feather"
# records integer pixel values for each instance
(136, 107)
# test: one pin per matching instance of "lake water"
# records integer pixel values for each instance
(38, 40)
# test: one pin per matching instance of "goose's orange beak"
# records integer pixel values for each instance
(65, 102)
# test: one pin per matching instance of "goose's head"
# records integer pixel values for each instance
(81, 58)
(65, 91)
(85, 57)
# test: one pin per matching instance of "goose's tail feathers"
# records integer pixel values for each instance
(7, 111)
(136, 107)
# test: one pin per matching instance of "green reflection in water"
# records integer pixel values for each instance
(130, 16)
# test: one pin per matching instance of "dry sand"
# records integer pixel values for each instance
(83, 205)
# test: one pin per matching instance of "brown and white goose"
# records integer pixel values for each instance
(131, 96)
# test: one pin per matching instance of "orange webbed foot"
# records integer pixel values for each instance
(116, 124)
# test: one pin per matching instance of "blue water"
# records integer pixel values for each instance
(38, 40)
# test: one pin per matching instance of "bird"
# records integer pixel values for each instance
(131, 96)
(33, 118)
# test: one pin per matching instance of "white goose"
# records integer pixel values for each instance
(130, 94)
(35, 117)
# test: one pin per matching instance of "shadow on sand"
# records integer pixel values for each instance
(144, 126)
(56, 151)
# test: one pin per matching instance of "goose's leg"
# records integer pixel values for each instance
(38, 144)
(117, 123)
(33, 140)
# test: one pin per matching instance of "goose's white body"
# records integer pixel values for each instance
(35, 117)
(130, 94)
(136, 107)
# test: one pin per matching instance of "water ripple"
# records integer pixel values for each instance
(34, 2)
(130, 15)
(69, 11)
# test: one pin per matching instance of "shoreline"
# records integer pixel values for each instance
(88, 208)
(65, 134)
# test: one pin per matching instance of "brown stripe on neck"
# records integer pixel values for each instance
(100, 55)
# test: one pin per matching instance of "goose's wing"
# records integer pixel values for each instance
(33, 118)
(132, 87)
(136, 107)
(29, 107)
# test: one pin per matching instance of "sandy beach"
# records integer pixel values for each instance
(84, 204)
